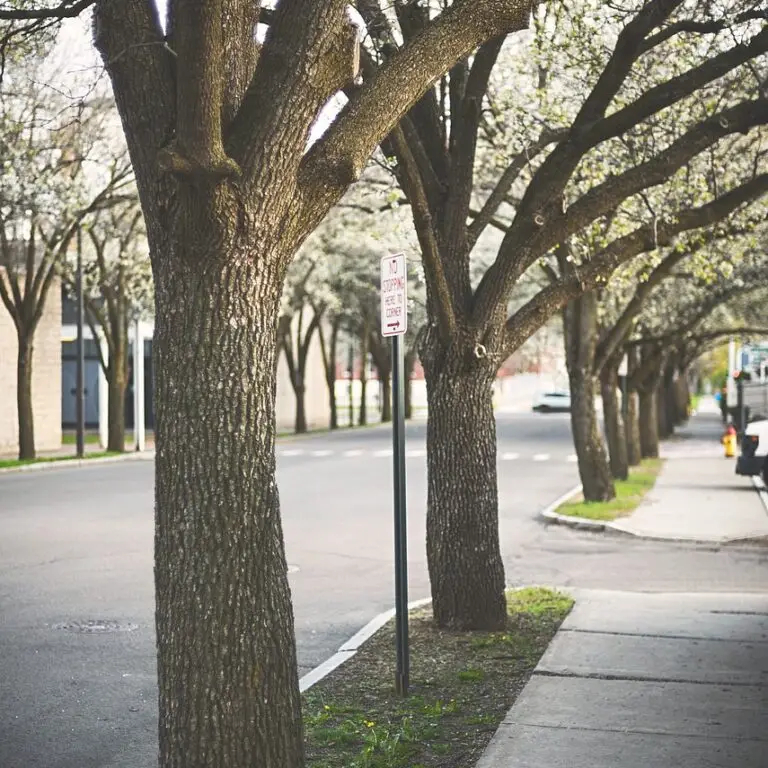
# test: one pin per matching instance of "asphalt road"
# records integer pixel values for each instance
(77, 666)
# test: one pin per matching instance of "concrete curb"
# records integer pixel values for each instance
(581, 523)
(75, 462)
(352, 646)
(549, 515)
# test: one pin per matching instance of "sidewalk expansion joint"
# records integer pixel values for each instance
(640, 679)
(634, 731)
(655, 636)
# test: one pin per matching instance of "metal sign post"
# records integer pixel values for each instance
(394, 322)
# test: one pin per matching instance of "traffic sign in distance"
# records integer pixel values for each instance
(394, 295)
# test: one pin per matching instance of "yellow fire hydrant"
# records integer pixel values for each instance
(729, 441)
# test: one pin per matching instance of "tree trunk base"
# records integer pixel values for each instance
(463, 550)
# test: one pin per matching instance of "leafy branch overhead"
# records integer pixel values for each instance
(504, 142)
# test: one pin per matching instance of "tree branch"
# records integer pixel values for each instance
(465, 118)
(374, 110)
(67, 9)
(130, 40)
(430, 250)
(508, 178)
(538, 310)
(509, 266)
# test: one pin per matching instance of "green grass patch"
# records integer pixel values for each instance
(12, 463)
(462, 685)
(69, 439)
(629, 493)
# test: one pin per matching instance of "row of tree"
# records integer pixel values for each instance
(604, 138)
(67, 187)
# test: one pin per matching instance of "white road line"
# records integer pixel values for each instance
(541, 457)
(292, 452)
(322, 453)
(381, 454)
(353, 452)
(573, 458)
(510, 456)
(415, 453)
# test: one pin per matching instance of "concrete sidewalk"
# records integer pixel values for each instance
(700, 500)
(646, 681)
(698, 496)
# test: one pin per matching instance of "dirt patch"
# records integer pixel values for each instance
(462, 685)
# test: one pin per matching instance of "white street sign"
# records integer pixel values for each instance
(394, 298)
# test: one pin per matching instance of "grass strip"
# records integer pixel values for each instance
(629, 494)
(12, 463)
(462, 685)
(69, 439)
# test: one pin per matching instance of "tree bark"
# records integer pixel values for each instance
(380, 351)
(333, 408)
(580, 325)
(386, 396)
(410, 362)
(463, 551)
(363, 413)
(649, 423)
(614, 422)
(117, 381)
(226, 651)
(667, 403)
(684, 396)
(662, 412)
(25, 411)
(299, 391)
(634, 451)
(328, 353)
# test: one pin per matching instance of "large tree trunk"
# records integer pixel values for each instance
(328, 353)
(117, 381)
(649, 423)
(580, 324)
(667, 403)
(300, 392)
(614, 422)
(662, 412)
(410, 362)
(363, 413)
(382, 359)
(463, 551)
(682, 398)
(227, 670)
(25, 412)
(386, 396)
(333, 408)
(634, 450)
(330, 374)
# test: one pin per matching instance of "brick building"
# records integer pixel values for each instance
(46, 378)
